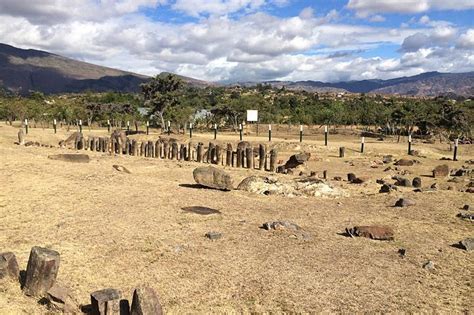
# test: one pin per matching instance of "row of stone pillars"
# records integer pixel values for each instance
(245, 156)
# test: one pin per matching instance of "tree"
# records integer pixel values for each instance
(162, 92)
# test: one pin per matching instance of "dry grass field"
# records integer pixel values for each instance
(121, 230)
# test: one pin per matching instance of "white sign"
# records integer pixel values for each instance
(252, 115)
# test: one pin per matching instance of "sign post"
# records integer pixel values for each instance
(409, 144)
(54, 125)
(26, 125)
(326, 135)
(269, 133)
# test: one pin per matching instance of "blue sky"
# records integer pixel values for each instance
(251, 40)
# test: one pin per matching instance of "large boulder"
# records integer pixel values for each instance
(375, 232)
(441, 171)
(288, 187)
(213, 178)
(296, 160)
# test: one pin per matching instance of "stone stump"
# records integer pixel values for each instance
(200, 152)
(9, 266)
(145, 301)
(249, 155)
(262, 152)
(273, 159)
(106, 301)
(41, 271)
(21, 137)
(228, 159)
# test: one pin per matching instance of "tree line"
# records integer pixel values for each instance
(167, 98)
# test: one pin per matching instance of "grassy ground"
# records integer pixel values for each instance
(121, 230)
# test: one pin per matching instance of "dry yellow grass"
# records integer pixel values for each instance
(123, 230)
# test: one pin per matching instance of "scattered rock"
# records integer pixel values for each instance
(380, 181)
(280, 225)
(360, 180)
(296, 160)
(434, 186)
(441, 171)
(466, 207)
(405, 162)
(337, 178)
(402, 181)
(429, 265)
(121, 168)
(467, 244)
(9, 266)
(416, 182)
(60, 300)
(387, 159)
(213, 178)
(74, 158)
(466, 216)
(415, 153)
(404, 202)
(213, 235)
(351, 177)
(402, 252)
(375, 232)
(387, 188)
(461, 172)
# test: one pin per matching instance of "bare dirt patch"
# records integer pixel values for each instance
(124, 230)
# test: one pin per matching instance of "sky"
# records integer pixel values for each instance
(251, 40)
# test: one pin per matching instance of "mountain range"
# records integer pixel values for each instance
(23, 70)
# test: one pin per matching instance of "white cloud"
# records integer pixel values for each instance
(365, 8)
(251, 46)
(466, 40)
(377, 18)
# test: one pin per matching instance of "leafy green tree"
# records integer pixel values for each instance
(161, 93)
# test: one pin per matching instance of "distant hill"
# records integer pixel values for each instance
(425, 84)
(22, 70)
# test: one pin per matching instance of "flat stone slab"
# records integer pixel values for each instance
(201, 210)
(74, 158)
